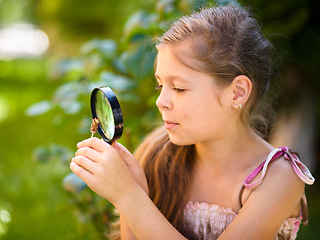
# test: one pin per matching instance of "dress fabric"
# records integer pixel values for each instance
(203, 221)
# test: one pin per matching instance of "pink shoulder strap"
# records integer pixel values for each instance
(299, 168)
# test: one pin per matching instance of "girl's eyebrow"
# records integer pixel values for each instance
(173, 77)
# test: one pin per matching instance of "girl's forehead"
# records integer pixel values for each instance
(169, 58)
(181, 55)
(170, 68)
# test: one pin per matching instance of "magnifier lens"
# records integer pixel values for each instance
(105, 115)
(105, 107)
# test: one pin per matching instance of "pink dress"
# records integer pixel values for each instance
(206, 221)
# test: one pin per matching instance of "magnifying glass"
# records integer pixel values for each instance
(106, 108)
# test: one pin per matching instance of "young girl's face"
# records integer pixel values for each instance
(194, 108)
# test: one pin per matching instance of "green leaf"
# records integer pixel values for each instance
(84, 125)
(61, 152)
(165, 7)
(67, 92)
(107, 47)
(71, 107)
(39, 108)
(140, 56)
(67, 66)
(41, 154)
(140, 19)
(129, 97)
(114, 81)
(120, 66)
(226, 2)
(54, 151)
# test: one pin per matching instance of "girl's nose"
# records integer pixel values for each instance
(163, 102)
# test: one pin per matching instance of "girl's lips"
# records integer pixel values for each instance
(170, 125)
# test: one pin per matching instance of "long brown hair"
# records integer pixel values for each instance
(168, 168)
(225, 42)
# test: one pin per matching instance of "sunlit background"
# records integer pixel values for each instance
(22, 40)
(53, 53)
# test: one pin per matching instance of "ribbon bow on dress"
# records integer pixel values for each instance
(300, 169)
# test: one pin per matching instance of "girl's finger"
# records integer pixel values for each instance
(95, 143)
(81, 173)
(89, 153)
(85, 163)
(125, 154)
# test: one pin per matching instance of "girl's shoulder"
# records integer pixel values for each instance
(281, 161)
(274, 191)
(282, 173)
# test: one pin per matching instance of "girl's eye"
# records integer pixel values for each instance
(179, 90)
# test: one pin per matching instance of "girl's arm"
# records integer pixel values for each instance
(120, 179)
(126, 233)
(268, 205)
(144, 218)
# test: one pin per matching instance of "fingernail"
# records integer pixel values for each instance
(79, 143)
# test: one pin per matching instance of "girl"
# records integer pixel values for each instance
(203, 175)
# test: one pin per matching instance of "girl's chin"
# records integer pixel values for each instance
(180, 141)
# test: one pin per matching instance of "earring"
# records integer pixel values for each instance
(238, 106)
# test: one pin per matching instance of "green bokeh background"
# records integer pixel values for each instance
(37, 144)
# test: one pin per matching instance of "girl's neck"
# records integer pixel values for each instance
(235, 152)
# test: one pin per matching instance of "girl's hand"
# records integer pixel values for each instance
(133, 166)
(110, 171)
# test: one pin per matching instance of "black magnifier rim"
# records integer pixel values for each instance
(116, 110)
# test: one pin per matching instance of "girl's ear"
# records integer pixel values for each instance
(241, 89)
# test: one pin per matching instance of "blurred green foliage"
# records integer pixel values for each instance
(44, 103)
